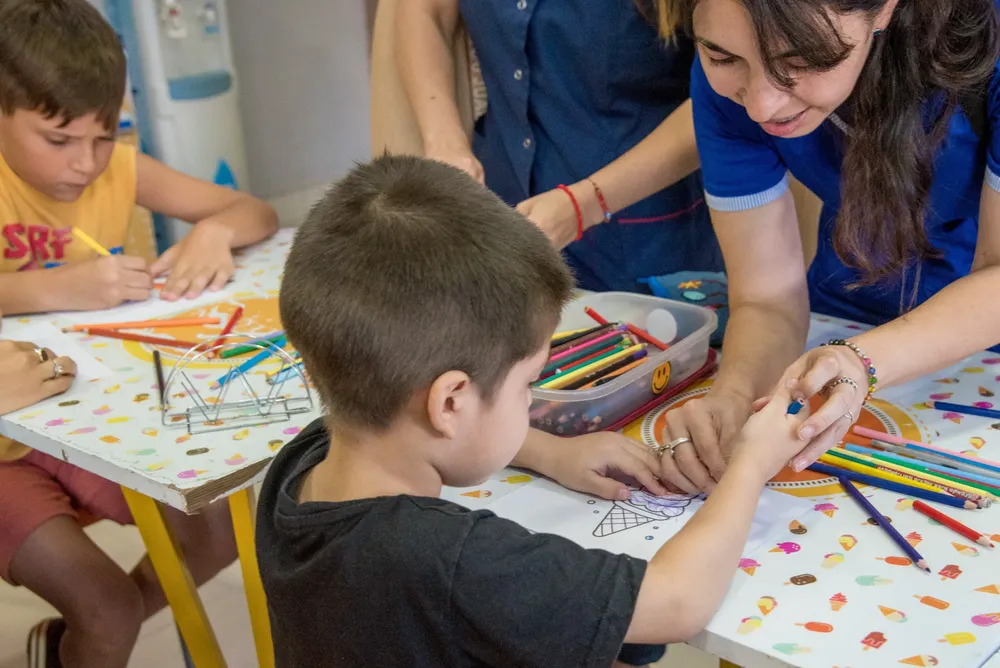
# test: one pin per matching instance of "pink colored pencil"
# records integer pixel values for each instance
(896, 440)
(237, 314)
(617, 331)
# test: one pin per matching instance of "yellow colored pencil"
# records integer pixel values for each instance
(573, 376)
(875, 473)
(933, 479)
(571, 332)
(85, 238)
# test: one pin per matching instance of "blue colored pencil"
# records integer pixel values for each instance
(883, 522)
(893, 486)
(967, 410)
(269, 350)
(284, 374)
(795, 407)
(926, 463)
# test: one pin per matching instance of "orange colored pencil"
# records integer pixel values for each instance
(142, 338)
(145, 324)
(614, 374)
(237, 314)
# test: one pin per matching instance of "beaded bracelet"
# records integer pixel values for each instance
(605, 211)
(865, 360)
(576, 208)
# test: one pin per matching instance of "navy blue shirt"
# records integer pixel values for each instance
(744, 167)
(572, 85)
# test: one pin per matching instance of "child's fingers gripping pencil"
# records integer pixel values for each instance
(87, 240)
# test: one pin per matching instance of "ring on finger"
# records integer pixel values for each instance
(57, 370)
(41, 354)
(849, 415)
(842, 380)
(676, 443)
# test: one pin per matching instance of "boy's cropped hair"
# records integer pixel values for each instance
(406, 269)
(61, 58)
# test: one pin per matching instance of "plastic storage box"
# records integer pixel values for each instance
(574, 412)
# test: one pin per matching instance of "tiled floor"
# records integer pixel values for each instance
(158, 646)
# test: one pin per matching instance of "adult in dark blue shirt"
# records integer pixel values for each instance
(580, 93)
(889, 111)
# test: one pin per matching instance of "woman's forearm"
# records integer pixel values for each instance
(425, 31)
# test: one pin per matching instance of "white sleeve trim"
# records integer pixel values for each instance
(745, 202)
(993, 180)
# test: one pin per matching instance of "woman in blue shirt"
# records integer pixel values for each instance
(887, 110)
(583, 94)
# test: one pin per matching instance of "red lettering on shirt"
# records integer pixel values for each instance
(16, 248)
(37, 243)
(61, 239)
(38, 235)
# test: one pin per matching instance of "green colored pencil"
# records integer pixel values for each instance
(939, 474)
(243, 350)
(614, 351)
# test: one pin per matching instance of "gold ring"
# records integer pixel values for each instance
(42, 355)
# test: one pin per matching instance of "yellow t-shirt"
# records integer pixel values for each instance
(36, 231)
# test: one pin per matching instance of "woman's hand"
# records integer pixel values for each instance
(29, 374)
(553, 212)
(462, 158)
(603, 464)
(709, 426)
(807, 377)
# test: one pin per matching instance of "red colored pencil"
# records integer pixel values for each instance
(237, 314)
(641, 333)
(625, 343)
(952, 524)
(142, 338)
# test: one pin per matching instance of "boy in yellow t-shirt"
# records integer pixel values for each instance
(62, 83)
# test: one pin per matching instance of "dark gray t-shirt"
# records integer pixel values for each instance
(415, 581)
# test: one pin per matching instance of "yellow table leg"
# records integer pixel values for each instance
(242, 507)
(178, 586)
(725, 664)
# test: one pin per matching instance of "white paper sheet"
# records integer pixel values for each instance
(637, 527)
(45, 335)
(151, 309)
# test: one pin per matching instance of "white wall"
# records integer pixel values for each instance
(303, 77)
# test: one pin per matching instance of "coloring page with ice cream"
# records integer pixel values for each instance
(638, 526)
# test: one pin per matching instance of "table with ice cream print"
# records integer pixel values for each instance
(110, 423)
(835, 591)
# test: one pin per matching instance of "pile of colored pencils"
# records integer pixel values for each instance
(117, 330)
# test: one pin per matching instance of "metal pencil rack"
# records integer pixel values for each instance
(199, 415)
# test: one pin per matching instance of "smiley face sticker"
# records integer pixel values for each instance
(661, 378)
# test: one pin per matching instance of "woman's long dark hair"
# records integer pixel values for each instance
(940, 49)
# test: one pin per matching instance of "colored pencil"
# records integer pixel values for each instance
(795, 407)
(566, 338)
(641, 333)
(931, 477)
(920, 467)
(249, 347)
(283, 374)
(607, 378)
(600, 373)
(584, 340)
(145, 324)
(588, 346)
(86, 239)
(271, 348)
(567, 364)
(558, 383)
(982, 500)
(950, 454)
(160, 384)
(571, 333)
(869, 470)
(967, 410)
(221, 339)
(576, 366)
(142, 338)
(884, 523)
(929, 457)
(904, 487)
(952, 524)
(595, 316)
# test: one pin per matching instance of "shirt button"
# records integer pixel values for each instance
(518, 74)
(526, 143)
(521, 4)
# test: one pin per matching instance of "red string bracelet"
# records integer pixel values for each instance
(603, 202)
(576, 207)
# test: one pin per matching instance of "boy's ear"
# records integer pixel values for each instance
(451, 395)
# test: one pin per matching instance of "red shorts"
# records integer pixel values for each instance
(37, 487)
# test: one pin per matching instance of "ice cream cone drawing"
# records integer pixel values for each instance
(913, 538)
(827, 509)
(837, 601)
(766, 604)
(962, 638)
(787, 548)
(749, 625)
(895, 561)
(950, 572)
(833, 560)
(990, 589)
(892, 615)
(641, 508)
(817, 627)
(921, 660)
(874, 640)
(966, 550)
(904, 504)
(933, 602)
(977, 442)
(749, 566)
(987, 619)
(848, 542)
(797, 528)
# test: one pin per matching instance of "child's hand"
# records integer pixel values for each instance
(202, 259)
(770, 438)
(102, 283)
(29, 374)
(602, 463)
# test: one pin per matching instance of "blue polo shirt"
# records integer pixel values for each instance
(744, 167)
(572, 85)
